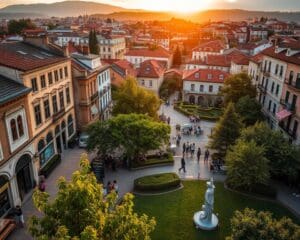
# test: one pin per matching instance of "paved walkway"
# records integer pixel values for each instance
(125, 178)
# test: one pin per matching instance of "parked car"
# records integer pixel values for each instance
(83, 139)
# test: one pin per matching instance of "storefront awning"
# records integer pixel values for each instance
(94, 110)
(283, 114)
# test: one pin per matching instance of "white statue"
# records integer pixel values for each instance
(206, 219)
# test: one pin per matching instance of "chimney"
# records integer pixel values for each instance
(85, 50)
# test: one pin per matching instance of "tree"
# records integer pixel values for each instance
(17, 26)
(284, 158)
(131, 98)
(247, 165)
(177, 57)
(226, 131)
(93, 43)
(249, 109)
(80, 211)
(169, 86)
(133, 134)
(238, 86)
(252, 225)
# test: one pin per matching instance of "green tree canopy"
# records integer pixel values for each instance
(252, 225)
(249, 109)
(226, 131)
(131, 98)
(80, 211)
(93, 43)
(17, 26)
(284, 158)
(247, 165)
(133, 134)
(177, 57)
(238, 86)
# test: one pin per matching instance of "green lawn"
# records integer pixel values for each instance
(174, 211)
(211, 113)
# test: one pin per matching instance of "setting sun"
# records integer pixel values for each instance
(183, 6)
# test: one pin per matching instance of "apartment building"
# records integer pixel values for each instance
(202, 86)
(111, 46)
(18, 174)
(51, 115)
(216, 47)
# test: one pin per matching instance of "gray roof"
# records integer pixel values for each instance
(10, 89)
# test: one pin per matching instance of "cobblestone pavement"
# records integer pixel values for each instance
(125, 177)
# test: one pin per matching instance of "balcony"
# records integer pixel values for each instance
(287, 131)
(94, 96)
(293, 85)
(58, 115)
(262, 88)
(288, 106)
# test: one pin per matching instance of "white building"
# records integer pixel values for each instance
(216, 47)
(111, 47)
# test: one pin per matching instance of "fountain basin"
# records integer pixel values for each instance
(204, 224)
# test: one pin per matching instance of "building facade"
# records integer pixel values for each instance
(111, 47)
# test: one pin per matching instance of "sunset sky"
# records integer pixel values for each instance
(187, 5)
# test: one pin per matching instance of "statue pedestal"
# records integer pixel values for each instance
(204, 224)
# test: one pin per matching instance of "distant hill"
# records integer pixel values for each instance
(203, 16)
(62, 9)
(6, 15)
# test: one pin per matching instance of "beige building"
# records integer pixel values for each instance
(51, 116)
(111, 47)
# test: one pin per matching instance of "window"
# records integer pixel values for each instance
(192, 87)
(47, 108)
(20, 126)
(276, 69)
(54, 104)
(56, 75)
(221, 77)
(49, 137)
(37, 114)
(41, 145)
(220, 88)
(274, 108)
(61, 74)
(201, 88)
(34, 85)
(1, 153)
(270, 103)
(143, 82)
(68, 95)
(209, 76)
(291, 77)
(196, 75)
(13, 128)
(287, 96)
(61, 100)
(50, 78)
(277, 89)
(66, 71)
(270, 64)
(272, 87)
(281, 71)
(210, 89)
(150, 83)
(70, 125)
(43, 81)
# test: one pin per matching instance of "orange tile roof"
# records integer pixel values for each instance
(205, 75)
(212, 46)
(151, 69)
(157, 52)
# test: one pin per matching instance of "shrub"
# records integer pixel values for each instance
(154, 160)
(157, 182)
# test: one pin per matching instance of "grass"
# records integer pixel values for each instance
(211, 113)
(160, 181)
(174, 211)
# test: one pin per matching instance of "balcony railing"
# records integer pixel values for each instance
(294, 85)
(262, 88)
(288, 106)
(95, 96)
(58, 114)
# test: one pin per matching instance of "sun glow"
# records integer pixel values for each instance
(182, 6)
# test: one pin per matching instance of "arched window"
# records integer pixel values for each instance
(41, 145)
(63, 125)
(70, 125)
(13, 128)
(20, 126)
(49, 137)
(57, 130)
(291, 77)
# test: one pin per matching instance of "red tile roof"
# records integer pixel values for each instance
(211, 60)
(205, 75)
(295, 59)
(151, 69)
(125, 66)
(212, 46)
(24, 57)
(257, 58)
(159, 52)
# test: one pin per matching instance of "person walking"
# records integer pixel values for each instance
(198, 154)
(182, 165)
(187, 148)
(183, 148)
(19, 216)
(206, 155)
(193, 148)
(169, 120)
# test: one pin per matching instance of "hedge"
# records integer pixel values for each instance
(157, 182)
(187, 113)
(50, 165)
(154, 160)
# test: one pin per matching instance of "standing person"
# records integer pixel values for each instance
(182, 165)
(187, 147)
(19, 216)
(42, 184)
(116, 187)
(169, 120)
(183, 148)
(108, 187)
(193, 148)
(206, 156)
(198, 154)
